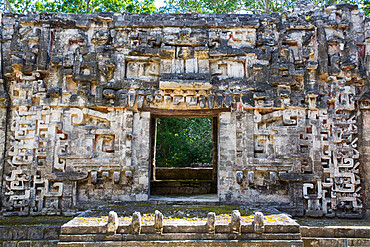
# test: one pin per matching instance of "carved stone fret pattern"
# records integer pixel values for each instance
(77, 93)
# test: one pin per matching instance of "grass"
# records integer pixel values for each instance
(176, 210)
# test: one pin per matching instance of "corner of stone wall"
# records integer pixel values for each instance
(2, 143)
(364, 142)
(3, 113)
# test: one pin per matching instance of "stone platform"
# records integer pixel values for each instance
(182, 224)
(156, 230)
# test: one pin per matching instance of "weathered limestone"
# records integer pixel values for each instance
(136, 223)
(47, 235)
(158, 222)
(78, 94)
(113, 222)
(211, 222)
(365, 146)
(258, 222)
(280, 230)
(235, 222)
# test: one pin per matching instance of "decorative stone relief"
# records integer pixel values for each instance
(77, 95)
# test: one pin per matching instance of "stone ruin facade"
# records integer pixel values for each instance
(289, 92)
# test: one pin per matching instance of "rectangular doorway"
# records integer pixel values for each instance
(183, 155)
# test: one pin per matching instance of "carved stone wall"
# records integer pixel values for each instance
(79, 91)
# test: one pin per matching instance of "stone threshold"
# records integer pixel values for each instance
(185, 198)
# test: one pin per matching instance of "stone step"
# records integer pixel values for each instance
(29, 243)
(178, 236)
(336, 231)
(208, 243)
(330, 242)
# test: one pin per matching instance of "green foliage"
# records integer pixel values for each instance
(265, 6)
(19, 6)
(181, 142)
(366, 7)
(132, 6)
(251, 6)
(201, 6)
(268, 6)
(171, 6)
(79, 6)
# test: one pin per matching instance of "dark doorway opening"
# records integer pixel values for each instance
(183, 155)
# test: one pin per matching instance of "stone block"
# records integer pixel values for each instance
(328, 242)
(51, 232)
(211, 222)
(35, 232)
(24, 244)
(235, 222)
(113, 222)
(10, 244)
(359, 242)
(258, 223)
(5, 233)
(19, 233)
(314, 242)
(136, 223)
(158, 222)
(362, 232)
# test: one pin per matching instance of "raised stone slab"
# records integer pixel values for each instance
(156, 230)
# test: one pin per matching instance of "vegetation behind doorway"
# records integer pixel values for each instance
(184, 142)
(184, 155)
